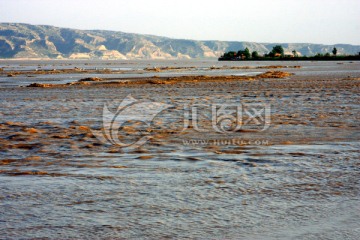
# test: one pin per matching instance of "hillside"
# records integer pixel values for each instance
(39, 41)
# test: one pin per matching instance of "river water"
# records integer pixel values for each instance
(297, 178)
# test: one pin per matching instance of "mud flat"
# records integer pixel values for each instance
(290, 171)
(77, 70)
(113, 82)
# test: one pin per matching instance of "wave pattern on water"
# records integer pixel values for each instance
(58, 180)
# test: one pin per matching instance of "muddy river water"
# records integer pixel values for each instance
(252, 159)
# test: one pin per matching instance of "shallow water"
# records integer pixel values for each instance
(135, 69)
(299, 179)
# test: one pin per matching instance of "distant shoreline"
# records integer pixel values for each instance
(193, 59)
(291, 60)
(278, 54)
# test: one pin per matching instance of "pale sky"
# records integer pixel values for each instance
(296, 21)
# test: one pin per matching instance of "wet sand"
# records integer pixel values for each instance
(299, 178)
(118, 82)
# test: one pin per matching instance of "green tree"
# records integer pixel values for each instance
(244, 54)
(247, 53)
(255, 54)
(294, 53)
(334, 51)
(278, 49)
(229, 55)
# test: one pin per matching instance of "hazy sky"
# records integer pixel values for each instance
(313, 21)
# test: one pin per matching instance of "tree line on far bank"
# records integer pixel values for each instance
(277, 53)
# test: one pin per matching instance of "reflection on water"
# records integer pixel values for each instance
(58, 181)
